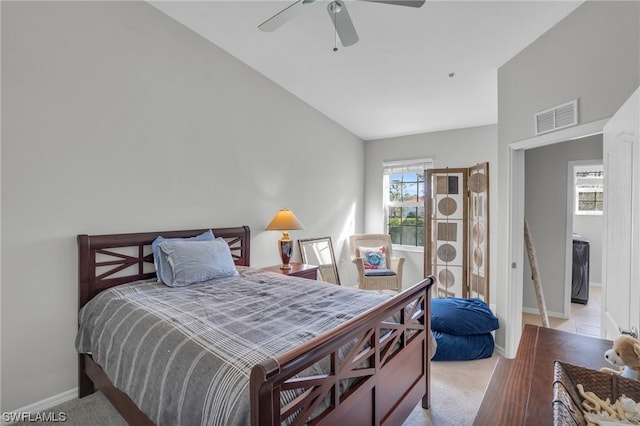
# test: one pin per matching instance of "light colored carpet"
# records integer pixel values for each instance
(457, 388)
(92, 410)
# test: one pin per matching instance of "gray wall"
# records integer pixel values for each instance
(118, 119)
(453, 148)
(594, 55)
(546, 213)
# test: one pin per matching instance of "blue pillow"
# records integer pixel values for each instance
(160, 261)
(196, 261)
(462, 348)
(462, 317)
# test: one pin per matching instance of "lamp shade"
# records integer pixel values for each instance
(284, 220)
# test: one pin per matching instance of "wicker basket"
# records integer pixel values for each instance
(567, 401)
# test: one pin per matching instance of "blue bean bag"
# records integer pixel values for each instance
(462, 317)
(462, 348)
(462, 328)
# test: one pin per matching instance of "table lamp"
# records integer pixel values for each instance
(285, 221)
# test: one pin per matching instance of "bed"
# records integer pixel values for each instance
(372, 367)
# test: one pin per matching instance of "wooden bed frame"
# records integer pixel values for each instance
(390, 360)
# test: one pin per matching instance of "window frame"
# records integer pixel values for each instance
(585, 184)
(595, 211)
(400, 167)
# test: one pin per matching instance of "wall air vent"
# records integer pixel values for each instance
(558, 117)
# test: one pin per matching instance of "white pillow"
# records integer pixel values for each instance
(196, 261)
(373, 257)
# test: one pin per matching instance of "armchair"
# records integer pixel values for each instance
(373, 257)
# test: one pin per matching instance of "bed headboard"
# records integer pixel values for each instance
(106, 261)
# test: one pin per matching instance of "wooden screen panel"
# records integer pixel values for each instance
(457, 231)
(447, 227)
(478, 184)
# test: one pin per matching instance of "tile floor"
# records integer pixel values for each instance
(585, 319)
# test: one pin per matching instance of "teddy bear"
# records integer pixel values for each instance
(625, 354)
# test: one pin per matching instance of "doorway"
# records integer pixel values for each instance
(585, 219)
(549, 210)
(516, 213)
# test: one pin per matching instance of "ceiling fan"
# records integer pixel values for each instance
(337, 11)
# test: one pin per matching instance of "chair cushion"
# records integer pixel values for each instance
(381, 272)
(373, 257)
(462, 317)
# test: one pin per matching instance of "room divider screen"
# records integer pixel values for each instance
(457, 231)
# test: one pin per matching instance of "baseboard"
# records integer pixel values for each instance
(45, 404)
(551, 314)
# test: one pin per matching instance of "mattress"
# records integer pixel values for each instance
(184, 355)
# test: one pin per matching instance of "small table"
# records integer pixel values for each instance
(521, 389)
(301, 270)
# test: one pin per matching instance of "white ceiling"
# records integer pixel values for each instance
(395, 80)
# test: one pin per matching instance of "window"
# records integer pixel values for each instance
(589, 186)
(404, 201)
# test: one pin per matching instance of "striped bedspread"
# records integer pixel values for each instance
(184, 355)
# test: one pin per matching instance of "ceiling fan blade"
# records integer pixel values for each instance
(283, 16)
(410, 3)
(342, 22)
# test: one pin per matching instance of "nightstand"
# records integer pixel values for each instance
(297, 270)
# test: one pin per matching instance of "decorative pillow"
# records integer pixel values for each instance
(373, 257)
(462, 317)
(196, 261)
(462, 348)
(160, 260)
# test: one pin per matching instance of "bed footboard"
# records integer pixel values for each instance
(378, 369)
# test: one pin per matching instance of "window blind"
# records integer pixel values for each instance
(407, 166)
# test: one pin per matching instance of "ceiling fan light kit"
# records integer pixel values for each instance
(337, 10)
